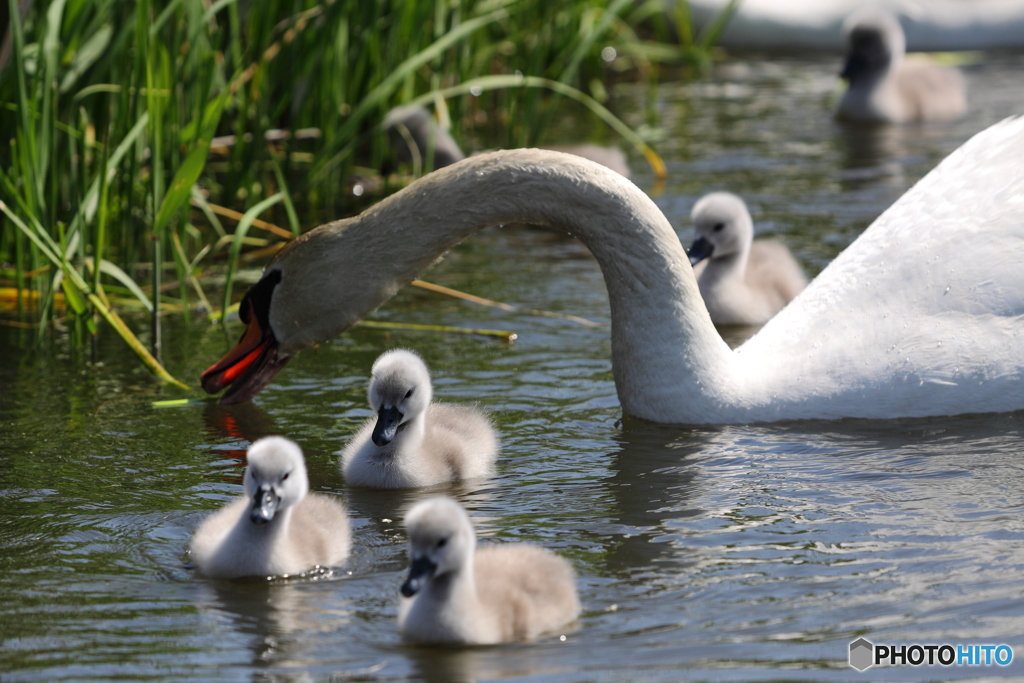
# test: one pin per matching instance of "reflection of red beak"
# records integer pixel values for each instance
(249, 366)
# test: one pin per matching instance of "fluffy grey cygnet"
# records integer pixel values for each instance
(277, 527)
(743, 282)
(458, 594)
(412, 442)
(886, 89)
(411, 128)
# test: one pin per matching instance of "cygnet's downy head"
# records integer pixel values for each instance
(441, 540)
(724, 227)
(399, 392)
(275, 478)
(413, 130)
(874, 43)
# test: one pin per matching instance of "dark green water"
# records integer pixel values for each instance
(714, 553)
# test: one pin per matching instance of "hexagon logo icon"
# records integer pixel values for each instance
(861, 654)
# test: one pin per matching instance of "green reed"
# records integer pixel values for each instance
(112, 176)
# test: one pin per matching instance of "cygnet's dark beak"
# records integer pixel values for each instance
(700, 250)
(420, 570)
(264, 505)
(856, 65)
(388, 420)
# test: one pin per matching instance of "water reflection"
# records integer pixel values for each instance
(735, 335)
(444, 665)
(653, 478)
(280, 621)
(243, 423)
(871, 155)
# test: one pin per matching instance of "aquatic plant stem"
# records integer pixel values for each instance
(133, 342)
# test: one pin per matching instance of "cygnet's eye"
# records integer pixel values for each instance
(408, 393)
(718, 227)
(285, 476)
(441, 542)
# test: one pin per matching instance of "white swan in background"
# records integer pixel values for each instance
(932, 26)
(277, 527)
(743, 282)
(412, 442)
(464, 595)
(921, 315)
(886, 89)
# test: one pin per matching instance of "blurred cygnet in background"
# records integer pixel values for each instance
(410, 129)
(883, 88)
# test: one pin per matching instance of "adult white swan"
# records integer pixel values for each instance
(922, 315)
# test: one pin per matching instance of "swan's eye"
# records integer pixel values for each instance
(718, 227)
(285, 476)
(408, 393)
(441, 542)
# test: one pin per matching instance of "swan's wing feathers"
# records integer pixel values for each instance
(938, 273)
(961, 227)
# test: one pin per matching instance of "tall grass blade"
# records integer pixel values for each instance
(25, 109)
(236, 246)
(376, 96)
(72, 277)
(293, 217)
(133, 342)
(51, 45)
(448, 291)
(712, 33)
(188, 173)
(115, 272)
(198, 200)
(503, 334)
(90, 203)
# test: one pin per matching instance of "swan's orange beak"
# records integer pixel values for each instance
(254, 360)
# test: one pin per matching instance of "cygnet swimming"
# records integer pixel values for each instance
(886, 89)
(277, 527)
(463, 595)
(743, 282)
(412, 442)
(411, 129)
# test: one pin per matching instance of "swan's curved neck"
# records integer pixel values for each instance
(664, 345)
